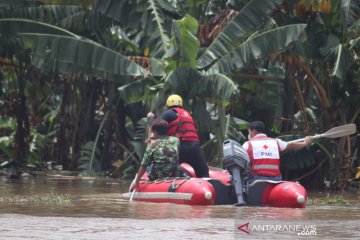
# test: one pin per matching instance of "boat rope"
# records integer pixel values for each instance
(175, 182)
(175, 185)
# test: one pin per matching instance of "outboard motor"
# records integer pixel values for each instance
(236, 160)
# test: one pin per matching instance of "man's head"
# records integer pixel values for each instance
(256, 127)
(174, 101)
(159, 127)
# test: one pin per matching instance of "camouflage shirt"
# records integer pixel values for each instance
(163, 156)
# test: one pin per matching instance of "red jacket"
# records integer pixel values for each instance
(264, 153)
(183, 127)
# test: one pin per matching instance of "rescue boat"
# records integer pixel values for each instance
(223, 187)
(218, 190)
(193, 191)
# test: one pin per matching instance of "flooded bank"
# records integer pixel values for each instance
(96, 210)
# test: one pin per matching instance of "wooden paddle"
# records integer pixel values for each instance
(133, 192)
(335, 132)
(132, 195)
(147, 134)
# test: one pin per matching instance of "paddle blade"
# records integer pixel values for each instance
(132, 195)
(335, 132)
(340, 131)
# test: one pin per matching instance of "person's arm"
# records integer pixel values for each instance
(137, 178)
(298, 145)
(144, 163)
(168, 115)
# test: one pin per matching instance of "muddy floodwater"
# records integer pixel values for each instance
(97, 210)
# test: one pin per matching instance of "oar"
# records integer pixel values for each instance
(132, 195)
(335, 132)
(133, 192)
(147, 133)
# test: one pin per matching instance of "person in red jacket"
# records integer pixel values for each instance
(182, 126)
(264, 152)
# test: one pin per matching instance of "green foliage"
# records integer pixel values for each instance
(336, 200)
(213, 87)
(55, 53)
(75, 43)
(138, 90)
(139, 134)
(260, 45)
(48, 13)
(184, 43)
(234, 128)
(7, 151)
(46, 198)
(146, 21)
(159, 19)
(89, 164)
(13, 26)
(120, 36)
(38, 147)
(309, 113)
(6, 146)
(250, 18)
(7, 123)
(296, 160)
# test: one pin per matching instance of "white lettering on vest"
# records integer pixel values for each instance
(265, 149)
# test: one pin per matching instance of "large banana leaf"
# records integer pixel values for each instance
(259, 46)
(250, 18)
(125, 12)
(181, 80)
(342, 63)
(16, 4)
(64, 54)
(74, 18)
(170, 8)
(12, 26)
(87, 20)
(213, 87)
(46, 13)
(146, 20)
(159, 19)
(184, 43)
(350, 11)
(10, 5)
(136, 91)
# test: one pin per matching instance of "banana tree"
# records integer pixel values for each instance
(326, 79)
(89, 23)
(54, 49)
(242, 51)
(86, 22)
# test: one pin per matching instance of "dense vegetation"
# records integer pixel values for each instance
(78, 77)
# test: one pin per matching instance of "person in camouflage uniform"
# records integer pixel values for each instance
(161, 156)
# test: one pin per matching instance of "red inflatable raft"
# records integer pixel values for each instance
(193, 191)
(218, 190)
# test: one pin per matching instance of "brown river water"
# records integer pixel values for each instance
(98, 210)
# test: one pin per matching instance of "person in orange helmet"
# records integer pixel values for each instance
(182, 126)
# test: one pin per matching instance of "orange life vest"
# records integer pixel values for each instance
(183, 127)
(264, 153)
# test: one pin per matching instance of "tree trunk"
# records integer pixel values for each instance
(289, 93)
(22, 131)
(61, 145)
(106, 159)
